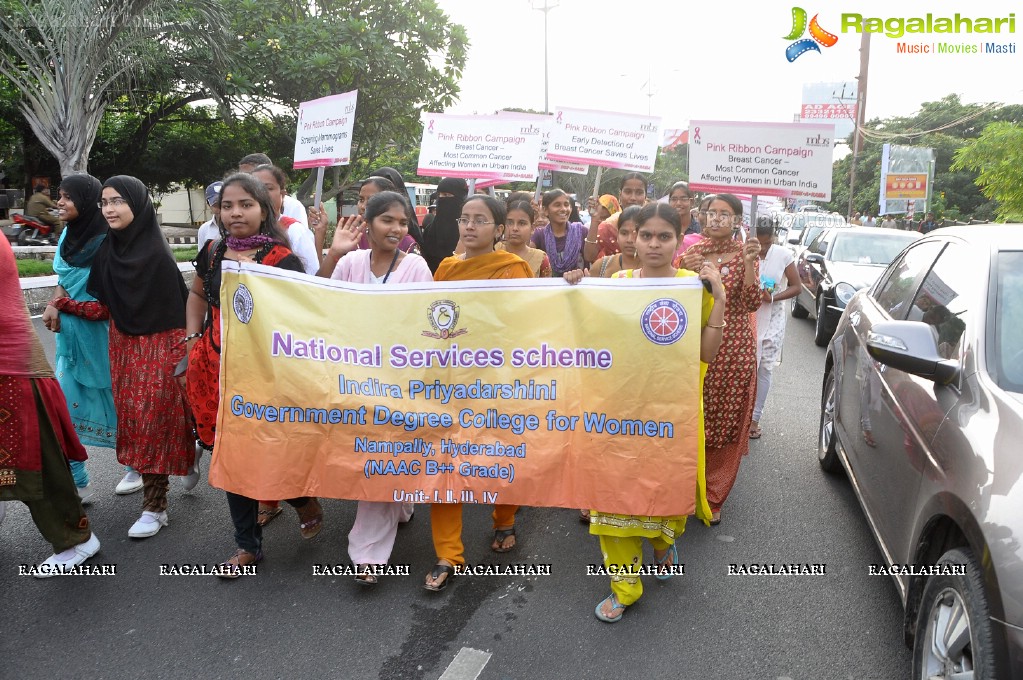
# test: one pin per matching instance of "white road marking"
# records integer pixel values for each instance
(467, 665)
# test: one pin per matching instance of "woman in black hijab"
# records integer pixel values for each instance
(399, 184)
(80, 322)
(441, 235)
(136, 277)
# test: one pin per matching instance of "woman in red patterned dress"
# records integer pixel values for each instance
(731, 385)
(136, 277)
(253, 235)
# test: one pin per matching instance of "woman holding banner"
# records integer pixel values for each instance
(731, 381)
(388, 215)
(659, 230)
(136, 277)
(601, 238)
(480, 228)
(561, 239)
(253, 235)
(519, 232)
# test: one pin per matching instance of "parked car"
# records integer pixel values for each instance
(802, 228)
(922, 407)
(838, 263)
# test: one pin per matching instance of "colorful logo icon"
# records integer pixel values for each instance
(443, 316)
(664, 321)
(804, 45)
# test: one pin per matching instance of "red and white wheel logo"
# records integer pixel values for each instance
(664, 321)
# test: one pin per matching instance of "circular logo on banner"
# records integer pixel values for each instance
(242, 304)
(664, 321)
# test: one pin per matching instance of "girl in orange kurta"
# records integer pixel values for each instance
(480, 228)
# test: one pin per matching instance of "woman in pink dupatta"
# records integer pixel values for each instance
(387, 218)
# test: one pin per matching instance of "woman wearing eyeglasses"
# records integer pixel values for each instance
(730, 388)
(136, 277)
(480, 228)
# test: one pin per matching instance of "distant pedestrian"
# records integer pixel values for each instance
(928, 224)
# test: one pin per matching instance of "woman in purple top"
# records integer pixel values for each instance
(561, 239)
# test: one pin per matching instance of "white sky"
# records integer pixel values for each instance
(716, 60)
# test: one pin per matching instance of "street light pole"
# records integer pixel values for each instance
(545, 8)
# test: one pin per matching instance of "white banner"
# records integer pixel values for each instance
(789, 160)
(612, 140)
(479, 147)
(325, 131)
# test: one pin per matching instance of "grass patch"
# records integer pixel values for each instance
(185, 254)
(30, 268)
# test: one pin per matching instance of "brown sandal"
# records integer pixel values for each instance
(232, 568)
(267, 513)
(310, 517)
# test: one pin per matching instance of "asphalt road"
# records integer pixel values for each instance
(287, 623)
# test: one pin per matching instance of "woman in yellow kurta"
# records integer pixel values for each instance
(659, 229)
(480, 228)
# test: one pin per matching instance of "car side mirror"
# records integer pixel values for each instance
(815, 258)
(912, 347)
(794, 240)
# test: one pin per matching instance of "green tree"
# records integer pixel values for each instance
(943, 125)
(69, 59)
(403, 56)
(997, 157)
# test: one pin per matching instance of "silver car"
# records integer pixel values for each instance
(922, 407)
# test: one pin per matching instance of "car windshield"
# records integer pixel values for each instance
(879, 249)
(1008, 322)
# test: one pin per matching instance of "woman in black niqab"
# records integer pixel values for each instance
(441, 238)
(134, 273)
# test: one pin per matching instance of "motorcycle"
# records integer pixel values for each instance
(28, 231)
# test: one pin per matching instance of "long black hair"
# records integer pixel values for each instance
(255, 188)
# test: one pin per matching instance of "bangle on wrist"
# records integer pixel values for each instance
(723, 324)
(192, 336)
(593, 241)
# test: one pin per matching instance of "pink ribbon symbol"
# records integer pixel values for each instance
(431, 125)
(559, 118)
(696, 135)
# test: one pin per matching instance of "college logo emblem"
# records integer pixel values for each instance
(443, 316)
(801, 46)
(242, 304)
(664, 321)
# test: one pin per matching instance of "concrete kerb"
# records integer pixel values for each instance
(38, 290)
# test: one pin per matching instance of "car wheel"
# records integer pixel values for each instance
(827, 448)
(798, 310)
(953, 628)
(821, 336)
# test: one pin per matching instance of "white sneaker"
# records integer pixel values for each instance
(192, 478)
(130, 483)
(148, 524)
(59, 563)
(86, 493)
